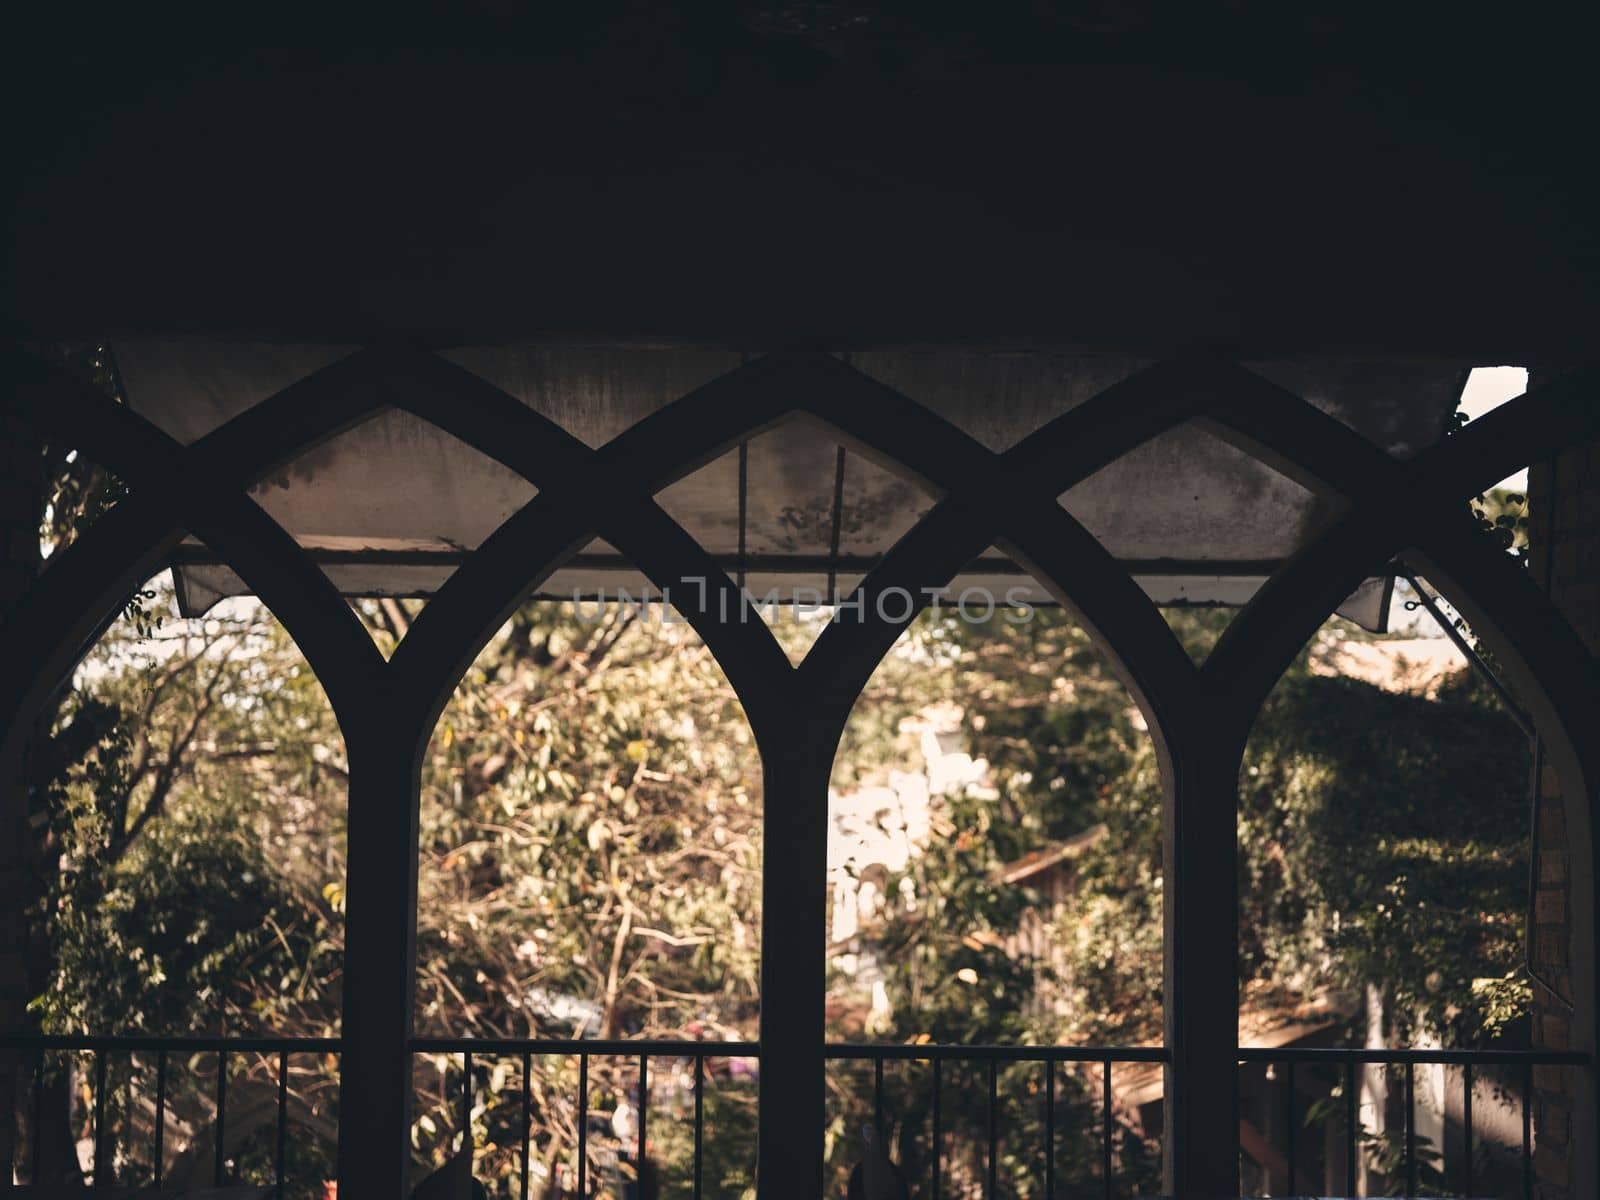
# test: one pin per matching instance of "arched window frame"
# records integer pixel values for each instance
(1199, 716)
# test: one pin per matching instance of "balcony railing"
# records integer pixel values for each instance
(158, 1052)
(1349, 1061)
(585, 1049)
(697, 1052)
(992, 1056)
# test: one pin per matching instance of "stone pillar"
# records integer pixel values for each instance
(21, 507)
(1564, 534)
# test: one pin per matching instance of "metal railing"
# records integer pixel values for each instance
(102, 1048)
(1351, 1059)
(585, 1049)
(1347, 1062)
(1050, 1057)
(698, 1052)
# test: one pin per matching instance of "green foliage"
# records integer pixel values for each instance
(1385, 1153)
(591, 864)
(191, 807)
(171, 911)
(591, 829)
(1378, 849)
(1066, 751)
(196, 932)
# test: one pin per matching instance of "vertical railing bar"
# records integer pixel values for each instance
(217, 1176)
(1466, 1127)
(467, 1147)
(1049, 1130)
(938, 1128)
(1352, 1123)
(1105, 1128)
(994, 1129)
(1288, 1127)
(877, 1096)
(699, 1123)
(644, 1109)
(38, 1117)
(1527, 1131)
(100, 1057)
(583, 1126)
(161, 1114)
(527, 1117)
(283, 1120)
(1411, 1130)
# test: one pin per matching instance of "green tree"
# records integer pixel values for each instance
(591, 864)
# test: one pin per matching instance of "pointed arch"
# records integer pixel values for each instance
(173, 489)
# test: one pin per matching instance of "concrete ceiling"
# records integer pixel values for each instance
(840, 175)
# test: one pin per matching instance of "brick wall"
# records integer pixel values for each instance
(1564, 520)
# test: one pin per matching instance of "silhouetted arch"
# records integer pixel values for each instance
(1198, 717)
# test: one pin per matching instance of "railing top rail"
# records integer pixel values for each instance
(622, 1047)
(946, 1052)
(834, 1050)
(1362, 1054)
(137, 1042)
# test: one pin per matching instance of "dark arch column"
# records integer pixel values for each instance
(1200, 1009)
(1422, 505)
(201, 487)
(798, 716)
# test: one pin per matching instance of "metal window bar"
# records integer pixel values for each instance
(699, 1123)
(1527, 1130)
(1411, 1130)
(994, 1128)
(1049, 1130)
(527, 1118)
(1409, 1060)
(1466, 1129)
(220, 1126)
(159, 1150)
(466, 1106)
(1105, 1128)
(1288, 1126)
(1468, 651)
(38, 1114)
(1426, 600)
(1352, 1126)
(283, 1123)
(644, 1109)
(99, 1117)
(583, 1125)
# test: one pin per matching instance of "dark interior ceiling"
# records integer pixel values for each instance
(756, 175)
